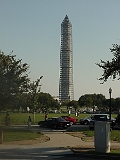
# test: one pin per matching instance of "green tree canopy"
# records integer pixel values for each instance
(33, 95)
(85, 100)
(91, 100)
(13, 78)
(117, 104)
(111, 69)
(73, 103)
(46, 102)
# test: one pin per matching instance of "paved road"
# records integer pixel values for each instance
(57, 147)
(78, 127)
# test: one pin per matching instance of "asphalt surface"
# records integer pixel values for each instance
(55, 148)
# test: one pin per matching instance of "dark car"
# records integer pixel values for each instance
(117, 122)
(70, 119)
(101, 117)
(86, 120)
(54, 122)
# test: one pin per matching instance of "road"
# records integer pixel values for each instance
(78, 127)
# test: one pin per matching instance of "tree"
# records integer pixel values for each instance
(22, 102)
(33, 95)
(111, 69)
(46, 102)
(74, 104)
(85, 101)
(100, 98)
(91, 100)
(13, 79)
(117, 104)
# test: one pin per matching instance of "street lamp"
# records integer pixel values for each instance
(68, 105)
(68, 97)
(110, 91)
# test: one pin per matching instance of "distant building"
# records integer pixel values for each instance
(66, 62)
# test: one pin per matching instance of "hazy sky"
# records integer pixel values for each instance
(32, 29)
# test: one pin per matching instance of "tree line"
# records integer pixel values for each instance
(99, 101)
(18, 92)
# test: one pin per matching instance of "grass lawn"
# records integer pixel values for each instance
(12, 134)
(22, 118)
(114, 135)
(16, 134)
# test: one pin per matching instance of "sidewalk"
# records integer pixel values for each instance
(62, 139)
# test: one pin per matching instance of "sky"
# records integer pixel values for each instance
(32, 29)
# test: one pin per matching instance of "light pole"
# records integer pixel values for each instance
(68, 105)
(68, 97)
(110, 92)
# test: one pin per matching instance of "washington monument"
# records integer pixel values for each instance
(66, 62)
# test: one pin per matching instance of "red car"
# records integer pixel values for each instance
(70, 119)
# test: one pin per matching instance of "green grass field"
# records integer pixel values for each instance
(22, 118)
(114, 135)
(12, 134)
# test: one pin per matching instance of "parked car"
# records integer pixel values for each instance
(117, 122)
(101, 117)
(86, 120)
(70, 119)
(54, 122)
